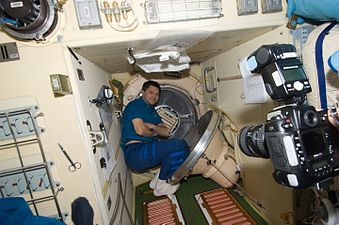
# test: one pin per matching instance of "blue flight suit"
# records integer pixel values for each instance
(150, 152)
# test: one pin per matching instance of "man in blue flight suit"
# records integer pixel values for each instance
(142, 126)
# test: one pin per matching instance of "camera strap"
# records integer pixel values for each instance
(320, 64)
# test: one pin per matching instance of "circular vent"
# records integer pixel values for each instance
(29, 19)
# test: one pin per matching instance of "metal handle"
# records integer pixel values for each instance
(210, 85)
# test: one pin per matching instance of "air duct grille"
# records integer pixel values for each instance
(9, 52)
(222, 208)
(181, 10)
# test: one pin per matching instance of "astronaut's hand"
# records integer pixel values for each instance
(333, 115)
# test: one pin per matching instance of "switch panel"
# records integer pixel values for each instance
(246, 7)
(271, 6)
(87, 13)
(61, 85)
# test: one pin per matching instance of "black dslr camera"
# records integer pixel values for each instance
(296, 136)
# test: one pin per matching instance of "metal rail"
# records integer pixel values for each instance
(17, 141)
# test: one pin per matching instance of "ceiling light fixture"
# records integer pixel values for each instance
(183, 10)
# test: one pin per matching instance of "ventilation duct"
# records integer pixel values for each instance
(28, 19)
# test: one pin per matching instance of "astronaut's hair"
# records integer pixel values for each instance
(150, 83)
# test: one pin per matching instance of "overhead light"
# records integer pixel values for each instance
(183, 10)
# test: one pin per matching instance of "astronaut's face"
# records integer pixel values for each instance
(151, 95)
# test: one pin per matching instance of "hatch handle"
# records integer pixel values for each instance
(210, 79)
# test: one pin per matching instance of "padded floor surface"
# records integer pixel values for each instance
(185, 196)
(221, 208)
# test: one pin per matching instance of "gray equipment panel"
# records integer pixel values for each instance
(246, 7)
(87, 13)
(9, 52)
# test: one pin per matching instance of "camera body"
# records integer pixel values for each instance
(296, 137)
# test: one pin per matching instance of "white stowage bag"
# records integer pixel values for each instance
(330, 46)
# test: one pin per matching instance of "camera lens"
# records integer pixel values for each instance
(311, 118)
(251, 141)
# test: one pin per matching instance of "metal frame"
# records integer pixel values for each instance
(17, 142)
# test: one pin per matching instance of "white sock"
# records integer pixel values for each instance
(163, 188)
(154, 180)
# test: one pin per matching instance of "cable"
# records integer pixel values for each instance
(121, 22)
(5, 20)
